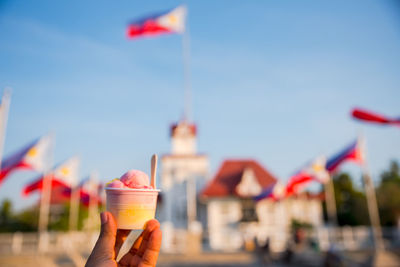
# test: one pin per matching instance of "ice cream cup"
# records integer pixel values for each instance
(131, 208)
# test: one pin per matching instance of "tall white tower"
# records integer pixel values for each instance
(183, 175)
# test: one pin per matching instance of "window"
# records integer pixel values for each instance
(248, 211)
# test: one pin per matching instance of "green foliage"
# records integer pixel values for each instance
(27, 220)
(351, 203)
(295, 224)
(5, 212)
(20, 222)
(388, 195)
(60, 221)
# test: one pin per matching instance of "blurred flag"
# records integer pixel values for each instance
(368, 116)
(171, 21)
(275, 192)
(64, 175)
(354, 152)
(315, 171)
(266, 193)
(34, 157)
(89, 191)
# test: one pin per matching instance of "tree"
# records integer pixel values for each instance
(388, 195)
(60, 222)
(351, 203)
(5, 212)
(9, 222)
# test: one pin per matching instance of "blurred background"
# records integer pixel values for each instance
(276, 123)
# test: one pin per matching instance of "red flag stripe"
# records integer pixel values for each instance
(6, 171)
(148, 28)
(85, 197)
(373, 117)
(296, 182)
(38, 185)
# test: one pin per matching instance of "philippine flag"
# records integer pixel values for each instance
(274, 192)
(354, 152)
(64, 175)
(315, 171)
(89, 192)
(372, 117)
(171, 21)
(34, 156)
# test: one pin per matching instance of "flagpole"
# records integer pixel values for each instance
(190, 183)
(331, 202)
(5, 105)
(44, 201)
(74, 204)
(186, 71)
(93, 207)
(371, 202)
(373, 208)
(44, 208)
(74, 208)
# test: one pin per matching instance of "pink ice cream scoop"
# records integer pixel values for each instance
(131, 179)
(136, 179)
(116, 184)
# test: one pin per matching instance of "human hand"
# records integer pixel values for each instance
(143, 253)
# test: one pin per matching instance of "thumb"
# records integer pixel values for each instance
(104, 248)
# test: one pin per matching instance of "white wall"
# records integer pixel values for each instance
(226, 232)
(223, 217)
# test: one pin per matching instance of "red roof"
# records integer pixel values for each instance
(230, 174)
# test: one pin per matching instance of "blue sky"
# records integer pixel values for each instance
(272, 80)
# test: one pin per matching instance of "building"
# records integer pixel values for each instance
(221, 213)
(183, 175)
(235, 219)
(275, 218)
(229, 201)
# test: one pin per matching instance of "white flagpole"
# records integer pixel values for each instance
(44, 201)
(46, 190)
(373, 209)
(74, 204)
(190, 182)
(93, 205)
(331, 202)
(5, 105)
(186, 71)
(74, 208)
(371, 202)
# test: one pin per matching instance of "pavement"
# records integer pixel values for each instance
(212, 259)
(165, 260)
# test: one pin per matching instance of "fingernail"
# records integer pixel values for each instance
(103, 218)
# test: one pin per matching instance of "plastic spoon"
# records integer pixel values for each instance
(153, 171)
